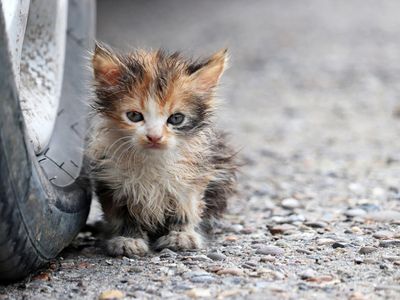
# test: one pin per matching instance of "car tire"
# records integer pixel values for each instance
(38, 215)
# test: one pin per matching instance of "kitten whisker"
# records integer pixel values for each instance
(116, 152)
(108, 149)
(132, 156)
(122, 156)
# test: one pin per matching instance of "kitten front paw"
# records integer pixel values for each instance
(180, 240)
(123, 246)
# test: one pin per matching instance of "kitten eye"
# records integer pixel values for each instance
(176, 119)
(134, 116)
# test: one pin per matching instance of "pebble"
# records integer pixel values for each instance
(321, 279)
(279, 219)
(198, 293)
(278, 275)
(358, 260)
(369, 207)
(198, 272)
(367, 250)
(383, 235)
(230, 271)
(356, 188)
(82, 284)
(229, 293)
(369, 261)
(307, 236)
(216, 256)
(316, 224)
(183, 286)
(288, 219)
(282, 244)
(155, 260)
(127, 260)
(304, 251)
(270, 250)
(235, 228)
(391, 257)
(389, 243)
(200, 257)
(166, 294)
(43, 276)
(264, 190)
(356, 230)
(357, 296)
(312, 276)
(167, 253)
(267, 258)
(231, 280)
(281, 229)
(248, 230)
(307, 274)
(231, 238)
(199, 276)
(267, 273)
(290, 203)
(379, 193)
(355, 212)
(383, 266)
(136, 269)
(268, 204)
(111, 295)
(395, 288)
(67, 265)
(202, 279)
(338, 245)
(140, 295)
(325, 241)
(384, 216)
(296, 218)
(251, 264)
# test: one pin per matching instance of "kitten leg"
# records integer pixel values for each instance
(185, 238)
(183, 234)
(129, 239)
(126, 246)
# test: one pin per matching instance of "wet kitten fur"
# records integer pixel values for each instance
(158, 194)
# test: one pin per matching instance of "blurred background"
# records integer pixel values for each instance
(311, 97)
(316, 79)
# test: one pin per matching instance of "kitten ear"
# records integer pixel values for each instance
(106, 65)
(206, 76)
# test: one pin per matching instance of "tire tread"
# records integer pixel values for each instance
(17, 255)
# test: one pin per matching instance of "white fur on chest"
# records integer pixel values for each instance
(154, 188)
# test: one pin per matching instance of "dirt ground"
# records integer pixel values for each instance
(312, 100)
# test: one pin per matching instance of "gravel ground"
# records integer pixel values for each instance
(312, 101)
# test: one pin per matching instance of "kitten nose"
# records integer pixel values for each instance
(154, 138)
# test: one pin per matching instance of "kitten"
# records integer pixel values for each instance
(160, 168)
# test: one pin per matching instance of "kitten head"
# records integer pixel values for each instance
(160, 100)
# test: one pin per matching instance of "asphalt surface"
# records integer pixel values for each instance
(312, 100)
